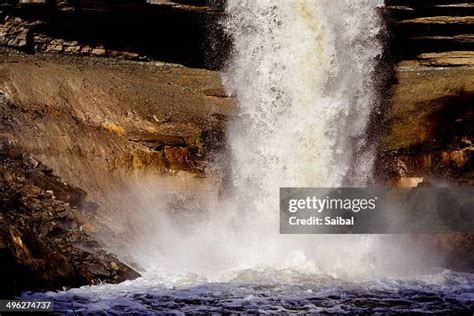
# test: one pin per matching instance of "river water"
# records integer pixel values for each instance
(271, 292)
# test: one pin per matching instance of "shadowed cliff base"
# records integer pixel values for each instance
(175, 32)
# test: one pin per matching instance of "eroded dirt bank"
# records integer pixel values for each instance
(114, 121)
(104, 126)
(428, 125)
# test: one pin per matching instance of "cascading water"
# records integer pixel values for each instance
(302, 72)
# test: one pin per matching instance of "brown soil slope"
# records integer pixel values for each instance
(100, 124)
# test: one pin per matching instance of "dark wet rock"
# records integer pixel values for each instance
(41, 243)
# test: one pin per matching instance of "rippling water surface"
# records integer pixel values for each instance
(265, 292)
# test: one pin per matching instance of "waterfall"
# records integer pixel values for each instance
(302, 74)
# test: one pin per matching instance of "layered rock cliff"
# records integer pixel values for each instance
(104, 125)
(432, 33)
(430, 115)
(101, 125)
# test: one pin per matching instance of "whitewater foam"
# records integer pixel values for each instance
(442, 292)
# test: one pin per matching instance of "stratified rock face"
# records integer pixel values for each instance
(430, 118)
(42, 240)
(434, 32)
(18, 33)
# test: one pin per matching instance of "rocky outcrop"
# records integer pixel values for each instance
(44, 43)
(432, 33)
(43, 239)
(15, 32)
(101, 125)
(20, 34)
(428, 117)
